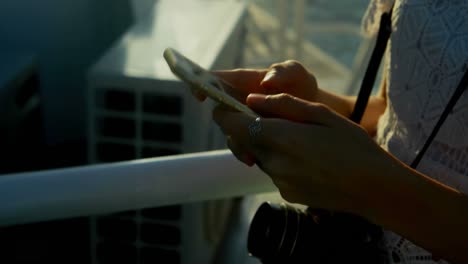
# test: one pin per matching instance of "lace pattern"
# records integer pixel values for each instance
(427, 57)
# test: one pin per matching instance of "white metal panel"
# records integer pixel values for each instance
(180, 24)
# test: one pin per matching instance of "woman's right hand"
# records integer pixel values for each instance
(285, 77)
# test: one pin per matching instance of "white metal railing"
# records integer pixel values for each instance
(114, 187)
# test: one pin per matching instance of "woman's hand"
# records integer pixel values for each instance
(322, 160)
(292, 77)
(286, 77)
(313, 155)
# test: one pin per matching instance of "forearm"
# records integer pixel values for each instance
(428, 213)
(344, 105)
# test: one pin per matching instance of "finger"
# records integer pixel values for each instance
(197, 94)
(282, 75)
(239, 152)
(249, 150)
(290, 195)
(242, 81)
(292, 108)
(236, 125)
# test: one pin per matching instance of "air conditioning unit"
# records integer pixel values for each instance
(138, 109)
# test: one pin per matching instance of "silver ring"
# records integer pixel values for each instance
(255, 127)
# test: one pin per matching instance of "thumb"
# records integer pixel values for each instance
(288, 107)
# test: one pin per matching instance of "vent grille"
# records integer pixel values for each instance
(162, 104)
(162, 131)
(111, 252)
(115, 100)
(112, 151)
(114, 127)
(144, 236)
(130, 125)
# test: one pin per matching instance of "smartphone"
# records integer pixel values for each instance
(204, 81)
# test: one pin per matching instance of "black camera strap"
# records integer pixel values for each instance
(368, 82)
(462, 86)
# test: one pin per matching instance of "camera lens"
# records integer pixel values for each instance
(274, 232)
(281, 233)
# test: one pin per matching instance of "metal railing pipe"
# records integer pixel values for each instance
(120, 186)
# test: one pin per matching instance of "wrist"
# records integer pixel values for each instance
(379, 190)
(339, 103)
(423, 210)
(403, 193)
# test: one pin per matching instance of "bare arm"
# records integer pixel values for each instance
(414, 205)
(427, 212)
(345, 105)
(432, 215)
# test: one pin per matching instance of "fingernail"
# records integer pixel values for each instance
(268, 76)
(255, 98)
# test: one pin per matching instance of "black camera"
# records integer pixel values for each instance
(282, 233)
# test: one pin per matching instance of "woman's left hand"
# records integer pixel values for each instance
(313, 155)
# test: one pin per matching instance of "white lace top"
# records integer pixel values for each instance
(426, 59)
